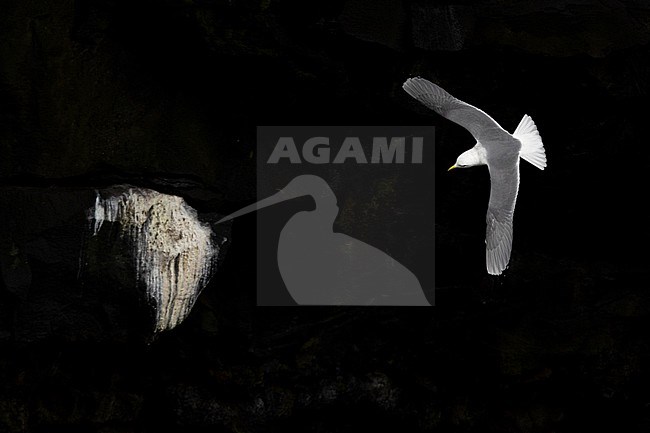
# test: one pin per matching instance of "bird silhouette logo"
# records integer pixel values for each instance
(322, 267)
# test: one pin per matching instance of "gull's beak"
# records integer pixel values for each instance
(452, 167)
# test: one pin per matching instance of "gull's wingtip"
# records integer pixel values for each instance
(496, 268)
(498, 243)
(496, 271)
(428, 93)
(416, 87)
(410, 81)
(406, 84)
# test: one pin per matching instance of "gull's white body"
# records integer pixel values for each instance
(496, 148)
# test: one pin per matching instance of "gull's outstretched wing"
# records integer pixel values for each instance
(498, 236)
(476, 121)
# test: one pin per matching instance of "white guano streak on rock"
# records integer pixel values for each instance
(173, 250)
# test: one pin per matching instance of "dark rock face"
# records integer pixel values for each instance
(62, 280)
(166, 95)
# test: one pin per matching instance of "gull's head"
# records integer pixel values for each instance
(468, 158)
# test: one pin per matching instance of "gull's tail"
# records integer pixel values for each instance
(532, 149)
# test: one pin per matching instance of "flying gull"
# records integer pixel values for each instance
(497, 149)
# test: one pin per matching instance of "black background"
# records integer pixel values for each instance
(167, 94)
